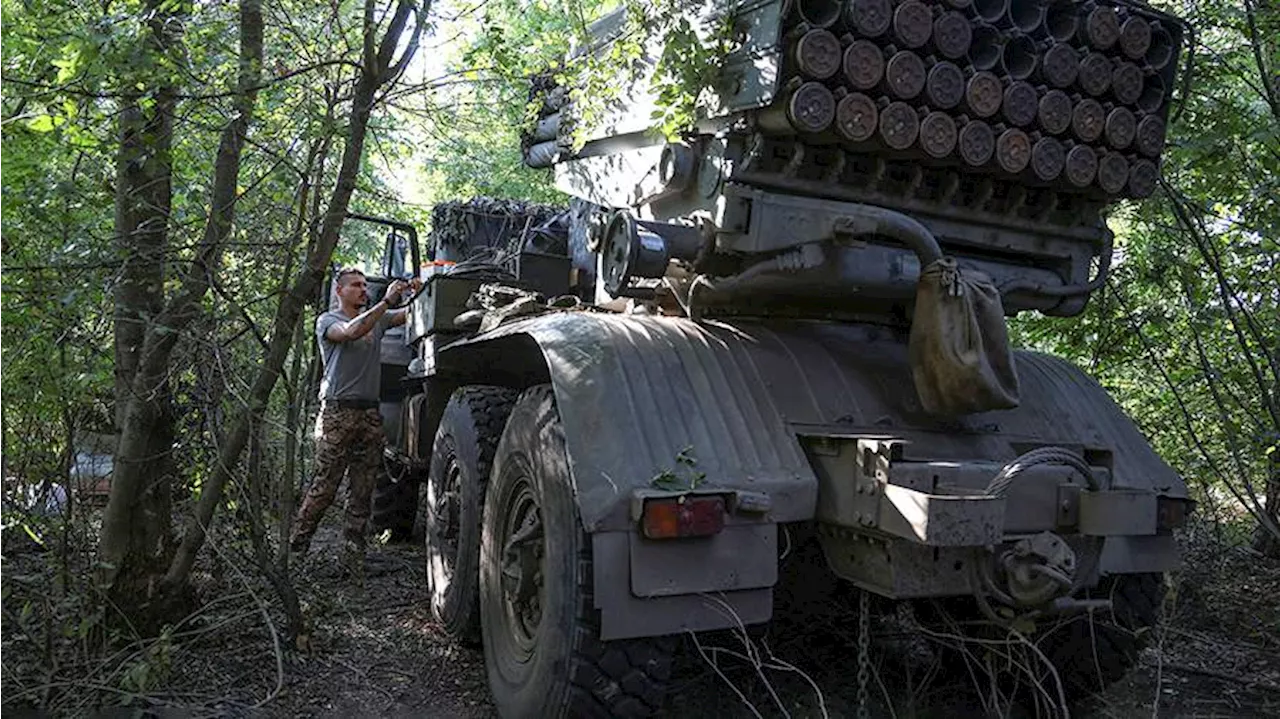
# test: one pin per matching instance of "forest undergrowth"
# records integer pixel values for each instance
(374, 650)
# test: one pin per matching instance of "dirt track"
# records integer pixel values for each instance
(376, 652)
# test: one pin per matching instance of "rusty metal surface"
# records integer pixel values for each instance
(869, 485)
(1047, 497)
(940, 520)
(635, 392)
(897, 569)
(862, 485)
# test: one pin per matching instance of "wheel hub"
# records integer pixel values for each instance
(446, 507)
(522, 571)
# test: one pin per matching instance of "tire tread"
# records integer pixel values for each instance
(624, 678)
(488, 407)
(1089, 656)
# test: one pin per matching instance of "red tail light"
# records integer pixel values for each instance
(686, 516)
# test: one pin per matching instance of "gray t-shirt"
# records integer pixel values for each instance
(352, 370)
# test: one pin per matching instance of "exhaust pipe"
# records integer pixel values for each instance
(1126, 82)
(868, 18)
(1120, 128)
(1026, 15)
(1152, 96)
(1054, 112)
(937, 135)
(1021, 103)
(816, 54)
(808, 108)
(1082, 165)
(952, 35)
(1135, 37)
(912, 24)
(856, 117)
(1150, 136)
(991, 10)
(863, 64)
(817, 13)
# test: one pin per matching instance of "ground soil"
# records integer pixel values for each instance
(374, 651)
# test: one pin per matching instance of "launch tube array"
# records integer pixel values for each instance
(1055, 93)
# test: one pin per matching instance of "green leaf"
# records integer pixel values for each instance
(32, 534)
(41, 123)
(69, 63)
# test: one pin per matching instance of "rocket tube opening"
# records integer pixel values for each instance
(985, 49)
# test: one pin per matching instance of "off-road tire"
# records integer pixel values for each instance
(461, 458)
(555, 666)
(1090, 655)
(1088, 652)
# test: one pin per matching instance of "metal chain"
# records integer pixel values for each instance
(864, 651)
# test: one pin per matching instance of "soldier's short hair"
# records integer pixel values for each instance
(346, 272)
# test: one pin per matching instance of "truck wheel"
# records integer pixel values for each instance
(541, 628)
(1090, 655)
(451, 505)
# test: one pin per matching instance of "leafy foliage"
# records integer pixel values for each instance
(1186, 334)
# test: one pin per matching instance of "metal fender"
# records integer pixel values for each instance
(651, 406)
(637, 393)
(648, 402)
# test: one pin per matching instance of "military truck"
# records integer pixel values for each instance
(471, 240)
(787, 329)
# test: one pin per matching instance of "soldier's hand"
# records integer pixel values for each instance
(394, 290)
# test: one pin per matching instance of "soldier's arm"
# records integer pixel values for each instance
(359, 326)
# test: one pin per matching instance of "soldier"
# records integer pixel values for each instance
(349, 435)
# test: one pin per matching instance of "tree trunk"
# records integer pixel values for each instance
(4, 468)
(378, 68)
(135, 542)
(136, 530)
(1266, 541)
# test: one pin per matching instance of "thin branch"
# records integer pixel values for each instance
(1264, 74)
(1230, 301)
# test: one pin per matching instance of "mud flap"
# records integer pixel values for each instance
(719, 601)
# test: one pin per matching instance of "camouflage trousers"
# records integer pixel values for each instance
(348, 441)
